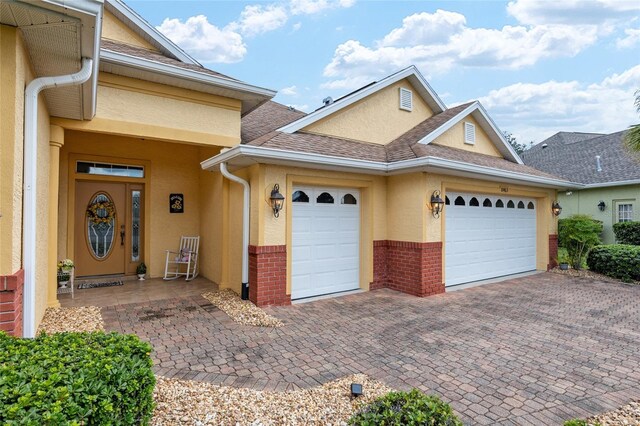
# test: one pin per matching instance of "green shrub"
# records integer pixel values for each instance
(616, 260)
(75, 379)
(406, 408)
(627, 232)
(578, 422)
(578, 234)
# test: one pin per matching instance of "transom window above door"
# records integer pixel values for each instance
(108, 169)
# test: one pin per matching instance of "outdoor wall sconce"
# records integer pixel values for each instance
(277, 200)
(436, 204)
(556, 208)
(602, 205)
(356, 390)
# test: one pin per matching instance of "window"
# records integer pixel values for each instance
(499, 204)
(109, 169)
(300, 197)
(348, 199)
(406, 99)
(474, 202)
(530, 206)
(486, 203)
(459, 201)
(324, 198)
(625, 212)
(446, 201)
(510, 205)
(520, 205)
(469, 133)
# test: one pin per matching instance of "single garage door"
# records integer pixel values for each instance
(488, 237)
(325, 241)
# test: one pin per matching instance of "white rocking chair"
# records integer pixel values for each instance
(184, 262)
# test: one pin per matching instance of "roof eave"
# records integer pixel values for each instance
(610, 184)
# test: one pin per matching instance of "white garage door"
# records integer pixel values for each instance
(488, 237)
(325, 241)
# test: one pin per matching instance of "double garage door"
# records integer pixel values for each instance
(488, 236)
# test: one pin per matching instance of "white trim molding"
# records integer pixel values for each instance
(609, 184)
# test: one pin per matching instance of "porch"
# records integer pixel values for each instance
(134, 291)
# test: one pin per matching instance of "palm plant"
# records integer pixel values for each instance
(632, 138)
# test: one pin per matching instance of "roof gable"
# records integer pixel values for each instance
(421, 86)
(115, 30)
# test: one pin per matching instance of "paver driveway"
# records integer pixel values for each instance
(533, 350)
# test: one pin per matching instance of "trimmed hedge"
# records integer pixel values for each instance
(627, 232)
(76, 379)
(406, 408)
(616, 260)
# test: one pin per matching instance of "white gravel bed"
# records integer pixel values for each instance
(184, 402)
(59, 320)
(624, 416)
(242, 311)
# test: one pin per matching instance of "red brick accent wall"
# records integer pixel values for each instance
(553, 251)
(268, 275)
(412, 268)
(11, 303)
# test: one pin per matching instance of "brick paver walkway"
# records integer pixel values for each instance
(535, 350)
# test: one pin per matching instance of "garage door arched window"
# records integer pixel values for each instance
(446, 200)
(486, 203)
(459, 201)
(474, 202)
(520, 205)
(510, 205)
(348, 199)
(530, 206)
(324, 198)
(499, 204)
(300, 197)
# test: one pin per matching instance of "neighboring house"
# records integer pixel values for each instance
(140, 121)
(608, 172)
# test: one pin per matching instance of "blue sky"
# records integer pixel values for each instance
(538, 66)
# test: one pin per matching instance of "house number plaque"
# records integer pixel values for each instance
(176, 203)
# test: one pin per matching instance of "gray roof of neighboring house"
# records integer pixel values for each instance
(573, 156)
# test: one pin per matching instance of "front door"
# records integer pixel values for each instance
(108, 228)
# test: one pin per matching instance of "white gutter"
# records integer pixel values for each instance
(245, 227)
(608, 184)
(30, 178)
(377, 167)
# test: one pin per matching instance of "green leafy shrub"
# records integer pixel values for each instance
(627, 232)
(616, 260)
(578, 422)
(75, 379)
(578, 234)
(406, 408)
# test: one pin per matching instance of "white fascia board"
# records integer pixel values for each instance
(610, 184)
(266, 155)
(448, 124)
(358, 95)
(173, 71)
(499, 134)
(152, 32)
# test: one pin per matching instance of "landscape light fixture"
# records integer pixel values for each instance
(556, 208)
(277, 200)
(602, 205)
(356, 390)
(437, 204)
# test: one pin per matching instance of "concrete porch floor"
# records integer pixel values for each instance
(134, 291)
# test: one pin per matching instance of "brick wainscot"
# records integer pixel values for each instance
(268, 275)
(11, 303)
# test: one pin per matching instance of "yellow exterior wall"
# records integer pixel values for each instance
(376, 118)
(131, 107)
(454, 137)
(113, 29)
(406, 207)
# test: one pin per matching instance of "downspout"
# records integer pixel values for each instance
(30, 175)
(245, 227)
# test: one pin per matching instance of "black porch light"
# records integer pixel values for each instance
(437, 203)
(356, 390)
(556, 208)
(602, 205)
(277, 200)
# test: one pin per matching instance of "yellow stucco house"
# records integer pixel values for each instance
(131, 120)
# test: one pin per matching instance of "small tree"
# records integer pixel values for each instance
(632, 138)
(519, 148)
(579, 233)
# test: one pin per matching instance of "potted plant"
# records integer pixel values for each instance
(64, 272)
(63, 279)
(65, 265)
(141, 270)
(563, 261)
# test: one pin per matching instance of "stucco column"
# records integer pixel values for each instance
(56, 140)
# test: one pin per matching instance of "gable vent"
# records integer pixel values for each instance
(406, 99)
(469, 133)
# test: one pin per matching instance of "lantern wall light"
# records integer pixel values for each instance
(277, 200)
(602, 205)
(436, 204)
(556, 208)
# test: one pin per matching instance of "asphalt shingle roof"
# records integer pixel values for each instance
(573, 156)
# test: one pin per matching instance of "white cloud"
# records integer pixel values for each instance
(289, 91)
(572, 12)
(632, 39)
(437, 42)
(310, 7)
(537, 111)
(204, 40)
(258, 19)
(295, 27)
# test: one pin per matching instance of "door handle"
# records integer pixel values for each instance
(121, 235)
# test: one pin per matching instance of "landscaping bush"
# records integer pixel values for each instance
(627, 232)
(578, 234)
(406, 408)
(616, 260)
(75, 379)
